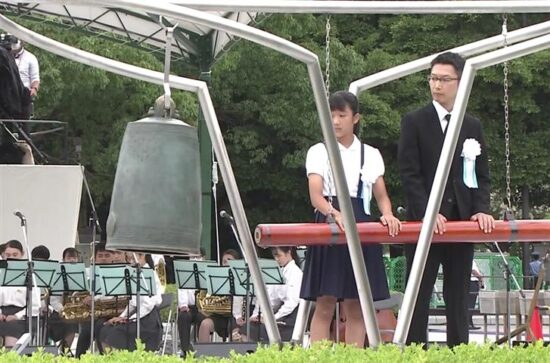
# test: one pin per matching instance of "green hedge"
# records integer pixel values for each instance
(323, 353)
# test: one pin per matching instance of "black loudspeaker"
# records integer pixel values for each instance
(223, 349)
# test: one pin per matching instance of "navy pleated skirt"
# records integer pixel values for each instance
(328, 271)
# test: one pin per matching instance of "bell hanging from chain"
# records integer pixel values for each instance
(155, 204)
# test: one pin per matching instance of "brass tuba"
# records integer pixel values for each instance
(76, 309)
(160, 269)
(214, 305)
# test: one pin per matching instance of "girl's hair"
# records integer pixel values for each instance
(338, 101)
(15, 244)
(292, 251)
(232, 252)
(71, 252)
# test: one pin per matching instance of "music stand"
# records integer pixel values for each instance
(271, 275)
(16, 273)
(97, 275)
(69, 277)
(191, 275)
(128, 281)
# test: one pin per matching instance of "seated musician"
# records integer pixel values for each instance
(284, 299)
(60, 330)
(102, 256)
(118, 257)
(13, 302)
(120, 332)
(222, 324)
(188, 313)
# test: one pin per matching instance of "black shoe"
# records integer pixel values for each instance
(473, 327)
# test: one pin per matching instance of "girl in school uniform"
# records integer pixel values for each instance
(284, 299)
(328, 275)
(13, 302)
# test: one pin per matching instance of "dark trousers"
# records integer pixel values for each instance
(258, 332)
(472, 298)
(85, 335)
(185, 320)
(456, 259)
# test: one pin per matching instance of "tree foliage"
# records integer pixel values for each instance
(267, 112)
(96, 104)
(265, 103)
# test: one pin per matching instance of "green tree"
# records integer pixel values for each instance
(96, 104)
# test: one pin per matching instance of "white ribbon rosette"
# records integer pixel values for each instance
(471, 149)
(368, 177)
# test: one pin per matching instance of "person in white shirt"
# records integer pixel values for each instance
(102, 256)
(120, 332)
(13, 302)
(284, 299)
(476, 282)
(29, 70)
(188, 314)
(58, 328)
(328, 273)
(222, 324)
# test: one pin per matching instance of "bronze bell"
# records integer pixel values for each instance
(156, 204)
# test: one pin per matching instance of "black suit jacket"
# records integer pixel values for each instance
(418, 154)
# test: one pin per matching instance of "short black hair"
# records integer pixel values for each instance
(100, 247)
(232, 252)
(71, 252)
(339, 100)
(40, 253)
(450, 58)
(7, 40)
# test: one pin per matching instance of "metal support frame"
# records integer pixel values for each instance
(467, 50)
(316, 80)
(444, 165)
(368, 7)
(521, 35)
(317, 83)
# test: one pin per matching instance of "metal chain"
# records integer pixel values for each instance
(327, 89)
(506, 117)
(327, 56)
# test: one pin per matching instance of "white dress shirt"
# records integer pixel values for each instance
(186, 297)
(17, 296)
(28, 67)
(147, 304)
(284, 298)
(317, 163)
(441, 114)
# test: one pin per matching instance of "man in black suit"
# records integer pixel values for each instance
(466, 195)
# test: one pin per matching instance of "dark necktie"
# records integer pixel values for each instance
(446, 123)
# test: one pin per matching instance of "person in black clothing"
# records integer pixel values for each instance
(15, 102)
(466, 195)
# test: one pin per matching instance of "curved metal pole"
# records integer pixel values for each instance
(96, 61)
(467, 50)
(444, 165)
(316, 79)
(368, 7)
